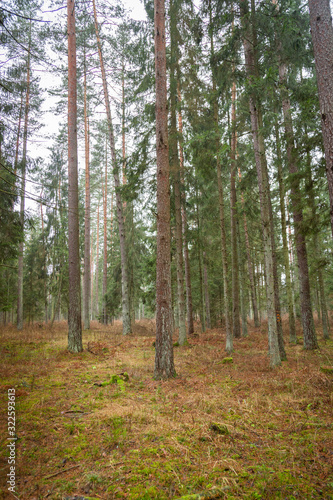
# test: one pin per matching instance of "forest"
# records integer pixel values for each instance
(166, 224)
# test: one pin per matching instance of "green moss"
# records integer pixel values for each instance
(227, 360)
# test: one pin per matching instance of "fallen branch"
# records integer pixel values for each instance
(61, 472)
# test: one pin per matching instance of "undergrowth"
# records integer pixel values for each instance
(96, 424)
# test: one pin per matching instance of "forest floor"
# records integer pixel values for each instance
(240, 427)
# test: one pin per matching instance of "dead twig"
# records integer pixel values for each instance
(61, 471)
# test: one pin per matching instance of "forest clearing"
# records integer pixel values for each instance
(96, 425)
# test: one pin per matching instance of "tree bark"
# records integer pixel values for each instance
(322, 39)
(96, 308)
(189, 306)
(22, 205)
(87, 270)
(105, 241)
(292, 325)
(249, 263)
(226, 288)
(120, 214)
(259, 151)
(175, 172)
(233, 207)
(309, 334)
(164, 361)
(74, 292)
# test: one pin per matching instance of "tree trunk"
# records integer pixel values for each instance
(292, 325)
(259, 151)
(22, 206)
(175, 172)
(249, 263)
(322, 39)
(121, 221)
(189, 306)
(226, 288)
(206, 289)
(164, 361)
(97, 266)
(74, 285)
(309, 334)
(105, 241)
(87, 270)
(233, 207)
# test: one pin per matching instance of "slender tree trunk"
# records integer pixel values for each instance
(233, 207)
(22, 206)
(259, 151)
(87, 270)
(175, 172)
(292, 325)
(18, 134)
(74, 286)
(226, 287)
(97, 266)
(121, 221)
(105, 241)
(322, 39)
(206, 289)
(164, 361)
(309, 334)
(249, 264)
(44, 263)
(201, 279)
(189, 306)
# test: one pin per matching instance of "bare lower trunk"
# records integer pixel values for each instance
(74, 291)
(97, 266)
(206, 289)
(164, 361)
(249, 264)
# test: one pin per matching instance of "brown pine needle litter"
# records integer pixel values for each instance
(97, 425)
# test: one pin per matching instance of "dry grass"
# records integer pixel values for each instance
(143, 439)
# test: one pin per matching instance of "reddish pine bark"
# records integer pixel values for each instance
(74, 285)
(164, 362)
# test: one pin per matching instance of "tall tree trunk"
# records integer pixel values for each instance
(44, 263)
(175, 171)
(74, 285)
(22, 205)
(233, 208)
(309, 334)
(189, 306)
(87, 270)
(201, 280)
(120, 214)
(105, 241)
(292, 325)
(97, 266)
(249, 263)
(224, 254)
(259, 151)
(322, 39)
(164, 361)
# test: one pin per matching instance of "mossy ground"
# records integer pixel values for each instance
(146, 439)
